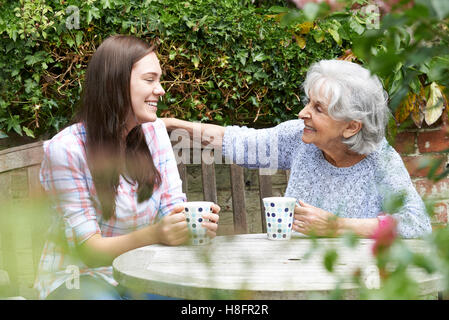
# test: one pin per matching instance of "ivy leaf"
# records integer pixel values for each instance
(69, 40)
(35, 58)
(79, 38)
(92, 13)
(14, 123)
(3, 135)
(260, 57)
(357, 27)
(334, 33)
(28, 132)
(106, 4)
(318, 35)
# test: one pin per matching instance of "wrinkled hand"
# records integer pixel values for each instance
(172, 230)
(310, 220)
(212, 225)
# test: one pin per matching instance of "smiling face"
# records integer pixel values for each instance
(320, 129)
(145, 90)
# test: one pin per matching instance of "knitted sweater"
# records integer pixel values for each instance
(363, 190)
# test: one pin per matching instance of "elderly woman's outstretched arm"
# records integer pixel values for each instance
(204, 133)
(270, 148)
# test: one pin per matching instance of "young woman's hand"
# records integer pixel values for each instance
(172, 230)
(212, 225)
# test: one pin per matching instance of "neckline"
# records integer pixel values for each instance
(342, 170)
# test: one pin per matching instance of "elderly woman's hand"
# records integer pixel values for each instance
(310, 220)
(212, 225)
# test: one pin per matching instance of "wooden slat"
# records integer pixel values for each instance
(287, 174)
(209, 182)
(20, 157)
(265, 190)
(182, 169)
(34, 186)
(238, 199)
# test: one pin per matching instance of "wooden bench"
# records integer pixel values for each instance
(21, 246)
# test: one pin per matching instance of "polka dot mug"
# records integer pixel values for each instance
(194, 211)
(279, 213)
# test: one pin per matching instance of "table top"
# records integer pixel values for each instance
(252, 267)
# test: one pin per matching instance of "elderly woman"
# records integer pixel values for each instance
(343, 171)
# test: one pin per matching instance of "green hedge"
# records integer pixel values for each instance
(226, 61)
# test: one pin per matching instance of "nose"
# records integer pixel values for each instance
(158, 90)
(304, 113)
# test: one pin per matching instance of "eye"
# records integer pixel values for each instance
(149, 80)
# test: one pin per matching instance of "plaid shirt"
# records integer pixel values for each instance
(64, 173)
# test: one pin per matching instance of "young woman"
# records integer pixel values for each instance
(112, 175)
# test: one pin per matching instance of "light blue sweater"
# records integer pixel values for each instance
(359, 191)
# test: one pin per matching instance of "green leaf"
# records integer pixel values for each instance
(106, 4)
(32, 59)
(28, 132)
(3, 135)
(424, 262)
(79, 38)
(259, 57)
(318, 35)
(334, 33)
(292, 17)
(196, 61)
(14, 123)
(311, 10)
(357, 27)
(393, 202)
(350, 239)
(278, 9)
(330, 258)
(92, 13)
(69, 40)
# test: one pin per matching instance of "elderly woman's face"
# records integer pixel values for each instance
(320, 129)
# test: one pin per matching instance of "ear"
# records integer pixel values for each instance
(352, 128)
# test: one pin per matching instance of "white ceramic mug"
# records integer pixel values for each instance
(279, 212)
(194, 211)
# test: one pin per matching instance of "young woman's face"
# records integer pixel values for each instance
(145, 89)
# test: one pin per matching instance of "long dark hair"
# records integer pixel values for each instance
(105, 107)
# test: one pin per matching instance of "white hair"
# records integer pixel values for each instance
(354, 94)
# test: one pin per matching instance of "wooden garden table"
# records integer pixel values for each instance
(250, 266)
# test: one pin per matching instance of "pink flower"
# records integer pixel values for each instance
(384, 235)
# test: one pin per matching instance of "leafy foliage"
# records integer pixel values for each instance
(414, 44)
(226, 62)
